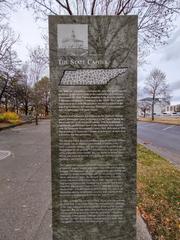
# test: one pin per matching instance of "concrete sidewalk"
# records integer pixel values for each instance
(25, 185)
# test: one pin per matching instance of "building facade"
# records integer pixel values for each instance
(145, 106)
(170, 109)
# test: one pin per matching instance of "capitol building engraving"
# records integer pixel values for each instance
(72, 39)
(72, 42)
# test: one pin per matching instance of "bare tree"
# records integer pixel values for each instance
(11, 92)
(6, 7)
(17, 95)
(155, 16)
(38, 61)
(14, 90)
(25, 89)
(42, 95)
(5, 79)
(156, 86)
(8, 57)
(144, 106)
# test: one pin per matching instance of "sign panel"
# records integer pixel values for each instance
(93, 128)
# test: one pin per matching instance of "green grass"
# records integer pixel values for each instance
(158, 188)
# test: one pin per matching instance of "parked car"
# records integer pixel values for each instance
(166, 114)
(175, 114)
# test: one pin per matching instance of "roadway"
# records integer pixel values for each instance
(161, 138)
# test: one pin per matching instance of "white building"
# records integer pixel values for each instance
(145, 106)
(170, 109)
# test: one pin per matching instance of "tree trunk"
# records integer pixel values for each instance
(3, 90)
(6, 104)
(26, 108)
(36, 119)
(14, 107)
(36, 113)
(153, 108)
(46, 110)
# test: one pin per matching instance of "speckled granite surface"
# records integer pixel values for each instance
(93, 128)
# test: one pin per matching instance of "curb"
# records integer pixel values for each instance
(171, 158)
(16, 125)
(165, 123)
(142, 230)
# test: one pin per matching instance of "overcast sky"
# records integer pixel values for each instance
(167, 58)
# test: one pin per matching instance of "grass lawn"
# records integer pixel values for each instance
(166, 120)
(158, 187)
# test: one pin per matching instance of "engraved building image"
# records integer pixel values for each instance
(72, 39)
(72, 42)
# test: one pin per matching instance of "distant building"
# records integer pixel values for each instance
(169, 109)
(159, 106)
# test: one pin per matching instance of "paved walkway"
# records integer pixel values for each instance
(25, 184)
(4, 154)
(25, 188)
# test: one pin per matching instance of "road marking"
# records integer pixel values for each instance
(17, 129)
(4, 154)
(164, 129)
(146, 125)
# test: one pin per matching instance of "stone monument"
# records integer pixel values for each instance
(93, 72)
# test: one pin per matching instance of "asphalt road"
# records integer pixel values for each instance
(25, 185)
(161, 138)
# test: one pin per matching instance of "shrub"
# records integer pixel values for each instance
(2, 118)
(10, 117)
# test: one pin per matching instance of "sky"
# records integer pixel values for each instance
(166, 58)
(30, 31)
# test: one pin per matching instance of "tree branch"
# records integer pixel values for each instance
(93, 7)
(46, 7)
(123, 8)
(163, 5)
(66, 7)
